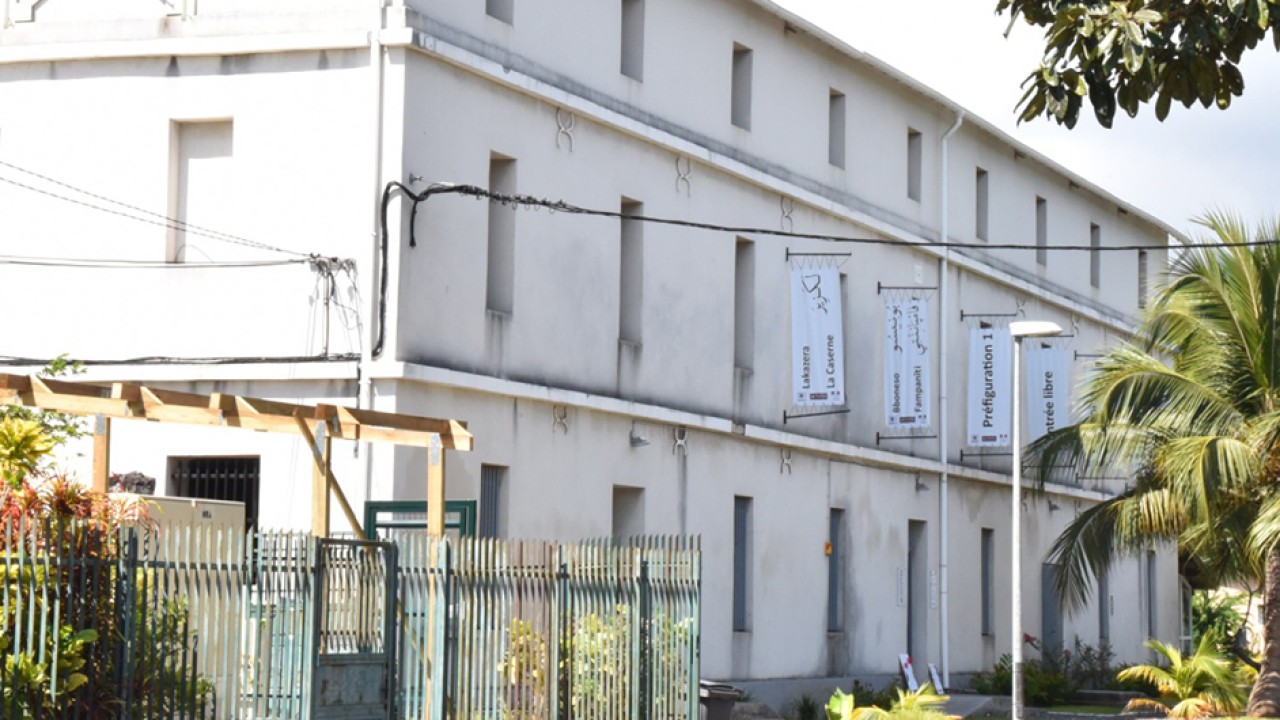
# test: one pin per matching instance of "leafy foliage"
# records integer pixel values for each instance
(36, 684)
(1214, 614)
(23, 443)
(1200, 435)
(922, 704)
(56, 427)
(1121, 54)
(1201, 685)
(596, 652)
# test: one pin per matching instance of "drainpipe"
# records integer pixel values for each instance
(364, 379)
(944, 316)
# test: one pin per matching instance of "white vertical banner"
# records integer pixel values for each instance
(817, 337)
(990, 384)
(1048, 386)
(906, 363)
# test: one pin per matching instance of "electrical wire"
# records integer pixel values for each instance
(167, 360)
(518, 200)
(160, 219)
(141, 264)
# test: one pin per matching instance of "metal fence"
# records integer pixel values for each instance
(215, 624)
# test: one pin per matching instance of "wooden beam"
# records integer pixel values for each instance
(101, 453)
(333, 485)
(435, 488)
(321, 453)
(138, 401)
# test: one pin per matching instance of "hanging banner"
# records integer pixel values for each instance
(817, 337)
(990, 382)
(906, 363)
(1047, 365)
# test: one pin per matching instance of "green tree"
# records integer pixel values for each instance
(1200, 433)
(1125, 53)
(1196, 686)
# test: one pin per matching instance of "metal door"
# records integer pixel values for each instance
(355, 631)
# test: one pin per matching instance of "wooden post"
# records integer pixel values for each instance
(320, 472)
(435, 487)
(101, 453)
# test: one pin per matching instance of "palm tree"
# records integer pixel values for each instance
(1191, 408)
(1199, 685)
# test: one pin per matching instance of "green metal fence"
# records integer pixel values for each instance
(215, 624)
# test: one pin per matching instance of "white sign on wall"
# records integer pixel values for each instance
(817, 337)
(990, 383)
(1048, 386)
(906, 363)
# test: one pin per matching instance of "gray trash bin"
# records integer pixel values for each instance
(717, 700)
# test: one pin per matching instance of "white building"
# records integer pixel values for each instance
(620, 377)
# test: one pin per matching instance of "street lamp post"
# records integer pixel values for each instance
(1020, 330)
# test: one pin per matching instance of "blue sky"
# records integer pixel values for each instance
(1195, 161)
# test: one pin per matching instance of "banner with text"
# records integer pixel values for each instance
(990, 382)
(906, 363)
(1048, 386)
(817, 337)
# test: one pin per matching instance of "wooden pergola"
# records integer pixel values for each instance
(318, 425)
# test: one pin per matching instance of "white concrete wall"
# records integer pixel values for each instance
(300, 183)
(296, 83)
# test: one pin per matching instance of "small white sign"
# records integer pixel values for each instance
(904, 661)
(936, 678)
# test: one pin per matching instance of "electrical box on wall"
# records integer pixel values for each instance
(168, 512)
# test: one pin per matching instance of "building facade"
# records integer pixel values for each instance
(192, 195)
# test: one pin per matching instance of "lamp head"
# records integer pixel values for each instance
(1034, 328)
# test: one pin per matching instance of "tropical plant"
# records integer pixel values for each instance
(57, 427)
(921, 704)
(1197, 686)
(806, 708)
(23, 443)
(1214, 613)
(1200, 433)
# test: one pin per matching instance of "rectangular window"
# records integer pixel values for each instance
(836, 128)
(1104, 609)
(1095, 255)
(917, 587)
(503, 10)
(835, 570)
(744, 304)
(740, 99)
(201, 182)
(981, 201)
(1042, 231)
(218, 478)
(915, 160)
(633, 39)
(493, 481)
(628, 512)
(1142, 278)
(631, 281)
(741, 563)
(988, 613)
(1152, 625)
(500, 290)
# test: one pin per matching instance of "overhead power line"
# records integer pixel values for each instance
(530, 201)
(141, 264)
(152, 217)
(169, 360)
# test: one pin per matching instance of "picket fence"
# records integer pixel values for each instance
(208, 623)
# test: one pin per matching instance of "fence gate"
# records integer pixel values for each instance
(355, 631)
